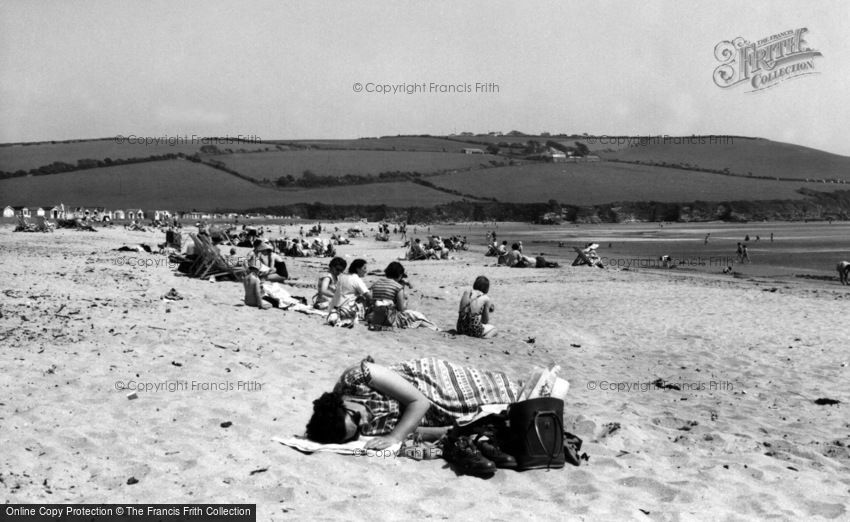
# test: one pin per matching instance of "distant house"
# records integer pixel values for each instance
(555, 155)
(22, 211)
(474, 151)
(118, 214)
(135, 214)
(8, 212)
(48, 212)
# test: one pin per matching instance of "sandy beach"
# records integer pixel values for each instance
(741, 439)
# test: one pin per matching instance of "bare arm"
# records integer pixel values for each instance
(414, 404)
(400, 300)
(485, 309)
(325, 287)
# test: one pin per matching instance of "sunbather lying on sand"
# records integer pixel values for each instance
(475, 308)
(391, 402)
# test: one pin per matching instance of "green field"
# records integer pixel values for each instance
(272, 165)
(184, 185)
(606, 182)
(26, 157)
(398, 143)
(741, 156)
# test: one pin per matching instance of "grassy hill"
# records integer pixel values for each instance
(743, 156)
(271, 165)
(26, 157)
(605, 182)
(392, 143)
(184, 185)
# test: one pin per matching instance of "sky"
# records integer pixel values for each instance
(291, 69)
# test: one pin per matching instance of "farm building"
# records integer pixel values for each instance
(474, 151)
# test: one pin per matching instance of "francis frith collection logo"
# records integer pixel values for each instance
(764, 63)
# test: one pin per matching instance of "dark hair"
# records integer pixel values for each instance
(504, 242)
(356, 265)
(257, 242)
(338, 263)
(515, 246)
(394, 270)
(482, 284)
(327, 425)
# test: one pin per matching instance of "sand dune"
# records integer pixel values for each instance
(740, 439)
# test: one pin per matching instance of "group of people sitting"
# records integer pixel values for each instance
(299, 247)
(348, 299)
(435, 248)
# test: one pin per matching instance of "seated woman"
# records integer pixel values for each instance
(473, 317)
(389, 403)
(254, 287)
(327, 283)
(272, 266)
(347, 302)
(389, 305)
(416, 252)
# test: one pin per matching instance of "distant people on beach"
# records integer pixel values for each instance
(771, 237)
(706, 238)
(739, 253)
(474, 312)
(844, 272)
(745, 255)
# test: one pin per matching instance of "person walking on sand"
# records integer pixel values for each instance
(745, 256)
(844, 272)
(739, 252)
(706, 238)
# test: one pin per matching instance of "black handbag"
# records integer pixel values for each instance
(537, 433)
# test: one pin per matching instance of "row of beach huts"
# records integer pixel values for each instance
(103, 214)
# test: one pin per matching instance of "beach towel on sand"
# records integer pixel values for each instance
(353, 447)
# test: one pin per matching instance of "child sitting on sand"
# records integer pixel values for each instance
(475, 308)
